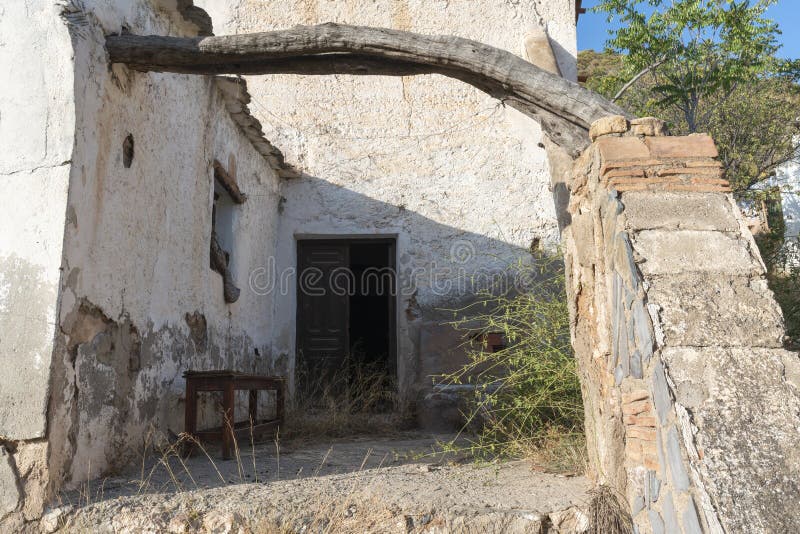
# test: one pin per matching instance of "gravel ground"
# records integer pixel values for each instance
(359, 485)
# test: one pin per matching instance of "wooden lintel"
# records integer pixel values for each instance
(563, 108)
(228, 182)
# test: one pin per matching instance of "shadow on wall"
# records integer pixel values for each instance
(439, 266)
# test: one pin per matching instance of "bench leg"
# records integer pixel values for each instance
(253, 407)
(228, 420)
(279, 401)
(190, 416)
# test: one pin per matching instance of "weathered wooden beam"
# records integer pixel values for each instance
(229, 183)
(564, 109)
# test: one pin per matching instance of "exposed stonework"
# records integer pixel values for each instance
(690, 411)
(615, 124)
(9, 492)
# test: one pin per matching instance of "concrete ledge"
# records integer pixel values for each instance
(678, 211)
(744, 410)
(687, 251)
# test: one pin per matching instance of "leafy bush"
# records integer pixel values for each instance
(527, 396)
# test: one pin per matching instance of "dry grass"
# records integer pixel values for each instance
(358, 400)
(606, 514)
(559, 452)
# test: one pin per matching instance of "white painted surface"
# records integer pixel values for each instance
(787, 176)
(136, 247)
(36, 133)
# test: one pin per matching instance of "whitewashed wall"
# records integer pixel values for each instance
(787, 177)
(36, 137)
(36, 127)
(427, 158)
(136, 250)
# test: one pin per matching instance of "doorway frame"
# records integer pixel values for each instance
(340, 239)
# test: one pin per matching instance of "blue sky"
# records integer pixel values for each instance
(593, 28)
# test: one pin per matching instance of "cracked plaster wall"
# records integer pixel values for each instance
(426, 159)
(140, 304)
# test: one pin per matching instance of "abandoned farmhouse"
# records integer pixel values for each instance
(177, 202)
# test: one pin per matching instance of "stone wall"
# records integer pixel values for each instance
(692, 405)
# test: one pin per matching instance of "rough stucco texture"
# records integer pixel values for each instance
(426, 159)
(36, 131)
(139, 302)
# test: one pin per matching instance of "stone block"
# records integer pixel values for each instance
(624, 263)
(540, 52)
(691, 523)
(637, 505)
(690, 146)
(686, 366)
(649, 210)
(670, 517)
(622, 149)
(685, 251)
(661, 396)
(748, 428)
(583, 234)
(662, 463)
(619, 375)
(9, 487)
(636, 407)
(614, 124)
(656, 523)
(653, 486)
(701, 310)
(677, 469)
(635, 366)
(639, 394)
(642, 329)
(643, 433)
(639, 420)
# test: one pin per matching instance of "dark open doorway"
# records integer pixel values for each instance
(346, 323)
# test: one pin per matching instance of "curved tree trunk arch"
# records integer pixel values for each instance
(563, 108)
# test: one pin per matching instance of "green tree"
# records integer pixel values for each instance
(694, 49)
(710, 66)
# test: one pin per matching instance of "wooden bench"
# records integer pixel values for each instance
(228, 382)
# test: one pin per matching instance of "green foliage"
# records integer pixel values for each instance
(755, 129)
(697, 48)
(786, 287)
(528, 394)
(712, 68)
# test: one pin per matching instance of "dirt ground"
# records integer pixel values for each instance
(396, 484)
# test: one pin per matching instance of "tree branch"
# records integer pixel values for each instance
(564, 109)
(636, 78)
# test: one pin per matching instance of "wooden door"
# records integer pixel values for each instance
(322, 316)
